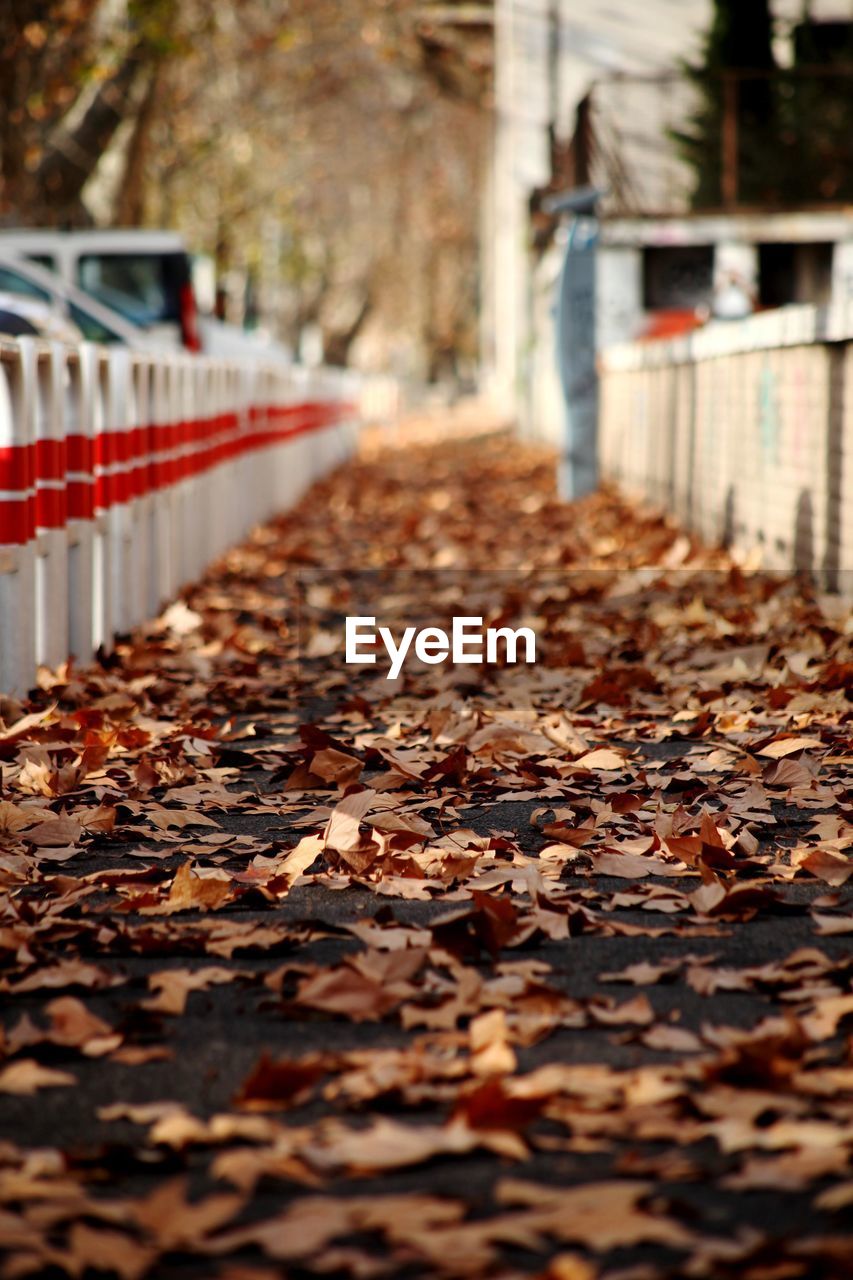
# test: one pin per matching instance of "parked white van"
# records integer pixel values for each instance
(76, 311)
(145, 276)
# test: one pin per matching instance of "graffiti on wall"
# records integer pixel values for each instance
(768, 414)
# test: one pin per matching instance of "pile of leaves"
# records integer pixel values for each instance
(488, 971)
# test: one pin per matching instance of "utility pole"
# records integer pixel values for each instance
(554, 66)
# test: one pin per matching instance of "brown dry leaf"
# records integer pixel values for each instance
(636, 1012)
(13, 818)
(824, 1019)
(67, 973)
(73, 1024)
(827, 865)
(310, 1223)
(602, 1215)
(174, 1222)
(488, 1037)
(365, 989)
(569, 1266)
(190, 892)
(173, 986)
(26, 1076)
(342, 829)
(677, 734)
(784, 746)
(108, 1251)
(55, 833)
(102, 819)
(335, 766)
(143, 1113)
(603, 758)
(275, 1084)
(835, 1199)
(166, 819)
(828, 925)
(139, 1055)
(296, 863)
(388, 1144)
(672, 1039)
(627, 866)
(23, 726)
(790, 1171)
(788, 773)
(645, 974)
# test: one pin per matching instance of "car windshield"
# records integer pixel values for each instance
(92, 330)
(143, 287)
(11, 281)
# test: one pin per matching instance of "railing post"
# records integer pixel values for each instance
(123, 475)
(51, 533)
(80, 493)
(17, 524)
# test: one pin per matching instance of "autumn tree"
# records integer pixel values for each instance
(339, 158)
(72, 72)
(334, 153)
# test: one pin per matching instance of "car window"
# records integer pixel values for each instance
(12, 282)
(13, 326)
(92, 330)
(143, 287)
(45, 260)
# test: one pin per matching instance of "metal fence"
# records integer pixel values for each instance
(744, 431)
(122, 474)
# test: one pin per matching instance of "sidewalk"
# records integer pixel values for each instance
(488, 971)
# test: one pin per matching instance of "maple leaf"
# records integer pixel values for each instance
(190, 892)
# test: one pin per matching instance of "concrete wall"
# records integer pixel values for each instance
(745, 432)
(547, 53)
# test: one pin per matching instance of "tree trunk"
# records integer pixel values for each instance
(337, 342)
(130, 200)
(73, 156)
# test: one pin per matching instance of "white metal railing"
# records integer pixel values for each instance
(122, 474)
(744, 431)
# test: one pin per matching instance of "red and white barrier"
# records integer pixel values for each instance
(80, 390)
(17, 519)
(122, 474)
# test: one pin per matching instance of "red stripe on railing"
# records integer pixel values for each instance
(17, 467)
(50, 459)
(17, 522)
(80, 495)
(127, 464)
(80, 454)
(50, 508)
(105, 457)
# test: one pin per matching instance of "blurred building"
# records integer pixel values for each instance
(597, 98)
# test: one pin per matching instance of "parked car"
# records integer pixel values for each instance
(27, 317)
(145, 276)
(89, 318)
